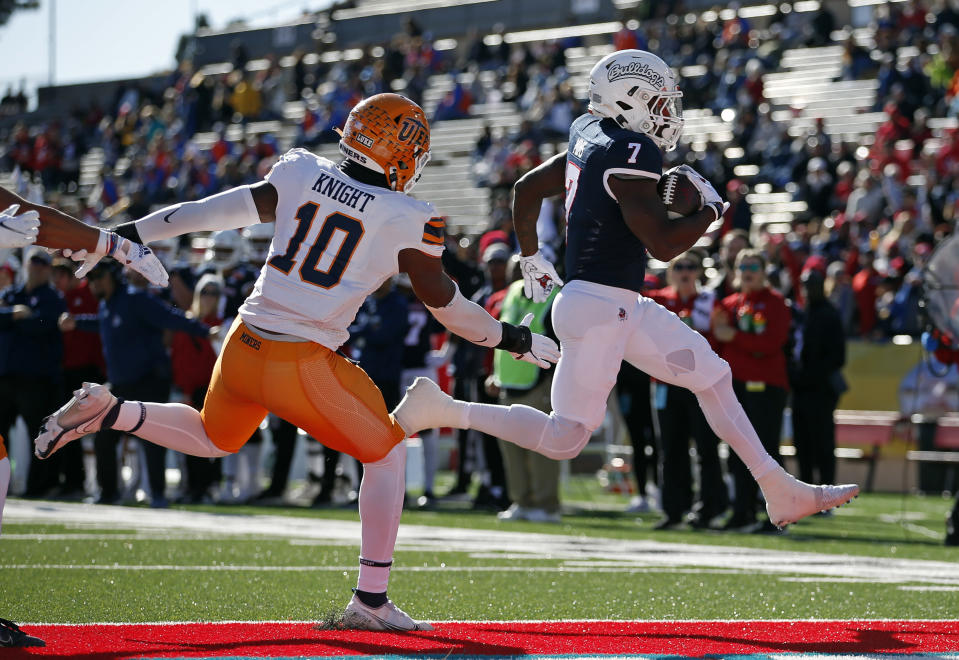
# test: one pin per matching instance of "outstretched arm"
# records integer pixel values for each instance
(545, 180)
(442, 297)
(57, 229)
(232, 209)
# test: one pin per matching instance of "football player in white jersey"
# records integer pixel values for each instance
(614, 215)
(340, 232)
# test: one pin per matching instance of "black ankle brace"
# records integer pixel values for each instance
(371, 599)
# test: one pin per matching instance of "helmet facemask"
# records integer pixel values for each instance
(419, 162)
(659, 115)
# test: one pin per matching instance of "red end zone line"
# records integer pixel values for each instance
(690, 638)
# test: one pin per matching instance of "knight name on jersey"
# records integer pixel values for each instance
(341, 191)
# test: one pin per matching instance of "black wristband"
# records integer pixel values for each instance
(376, 564)
(129, 231)
(516, 339)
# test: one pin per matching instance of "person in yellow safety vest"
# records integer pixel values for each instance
(532, 480)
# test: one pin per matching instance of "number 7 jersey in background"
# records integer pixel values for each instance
(336, 241)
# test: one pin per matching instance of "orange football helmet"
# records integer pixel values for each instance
(388, 133)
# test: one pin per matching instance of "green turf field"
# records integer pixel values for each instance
(881, 557)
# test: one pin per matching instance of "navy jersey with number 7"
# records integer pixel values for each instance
(600, 247)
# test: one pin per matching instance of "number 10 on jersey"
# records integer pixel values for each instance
(332, 223)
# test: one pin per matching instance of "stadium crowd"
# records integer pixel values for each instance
(848, 266)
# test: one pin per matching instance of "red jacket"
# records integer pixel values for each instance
(756, 351)
(864, 284)
(81, 348)
(192, 359)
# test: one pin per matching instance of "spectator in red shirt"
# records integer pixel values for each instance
(864, 284)
(82, 362)
(192, 360)
(680, 416)
(753, 328)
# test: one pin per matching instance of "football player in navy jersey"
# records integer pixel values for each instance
(614, 216)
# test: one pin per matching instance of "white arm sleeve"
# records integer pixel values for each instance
(469, 320)
(232, 209)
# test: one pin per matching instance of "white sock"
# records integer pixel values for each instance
(247, 475)
(381, 505)
(4, 484)
(171, 425)
(551, 435)
(728, 420)
(521, 425)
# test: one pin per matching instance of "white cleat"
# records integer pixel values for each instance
(426, 406)
(789, 500)
(385, 617)
(81, 415)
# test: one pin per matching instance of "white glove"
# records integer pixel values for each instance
(544, 350)
(18, 230)
(137, 257)
(539, 277)
(87, 260)
(707, 193)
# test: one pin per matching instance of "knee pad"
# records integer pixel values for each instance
(563, 438)
(717, 372)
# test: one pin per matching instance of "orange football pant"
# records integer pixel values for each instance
(3, 449)
(307, 384)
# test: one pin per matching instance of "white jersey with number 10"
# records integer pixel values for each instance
(336, 241)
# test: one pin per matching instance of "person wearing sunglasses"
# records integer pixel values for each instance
(752, 327)
(681, 418)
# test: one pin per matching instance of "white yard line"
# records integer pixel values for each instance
(498, 622)
(576, 552)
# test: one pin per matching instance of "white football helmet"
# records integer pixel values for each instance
(258, 239)
(224, 249)
(638, 91)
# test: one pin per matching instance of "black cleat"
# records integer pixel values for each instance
(11, 635)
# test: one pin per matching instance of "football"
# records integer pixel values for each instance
(678, 194)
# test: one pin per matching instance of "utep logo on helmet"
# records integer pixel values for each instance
(412, 131)
(640, 70)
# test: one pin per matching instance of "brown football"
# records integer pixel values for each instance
(679, 195)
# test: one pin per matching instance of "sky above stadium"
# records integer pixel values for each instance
(106, 39)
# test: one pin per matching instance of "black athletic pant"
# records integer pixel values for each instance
(814, 435)
(32, 398)
(71, 456)
(764, 409)
(633, 389)
(680, 420)
(201, 472)
(149, 389)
